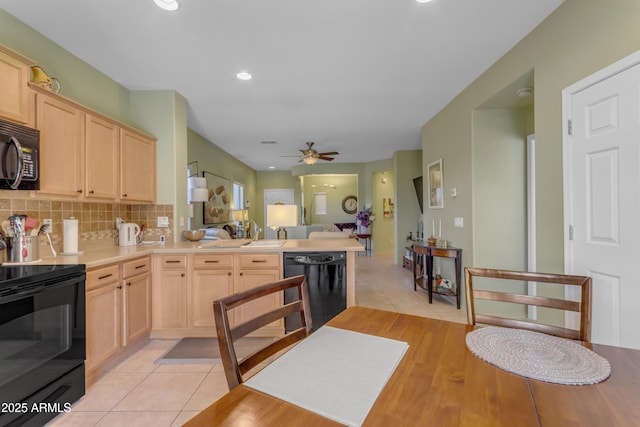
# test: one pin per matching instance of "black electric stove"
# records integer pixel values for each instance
(42, 341)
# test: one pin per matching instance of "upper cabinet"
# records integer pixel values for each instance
(102, 148)
(15, 72)
(86, 156)
(137, 167)
(61, 127)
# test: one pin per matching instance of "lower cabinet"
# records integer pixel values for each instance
(188, 284)
(137, 299)
(118, 307)
(104, 313)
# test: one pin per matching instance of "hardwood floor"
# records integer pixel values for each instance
(140, 393)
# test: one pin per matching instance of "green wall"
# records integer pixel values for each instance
(406, 166)
(214, 160)
(578, 39)
(79, 81)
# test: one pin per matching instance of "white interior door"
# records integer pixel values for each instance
(273, 196)
(602, 197)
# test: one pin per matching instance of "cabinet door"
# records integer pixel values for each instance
(61, 147)
(102, 139)
(137, 307)
(248, 279)
(170, 309)
(104, 311)
(14, 76)
(137, 168)
(208, 286)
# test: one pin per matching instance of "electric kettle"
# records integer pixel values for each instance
(128, 234)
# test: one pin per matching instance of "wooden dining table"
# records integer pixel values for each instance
(440, 382)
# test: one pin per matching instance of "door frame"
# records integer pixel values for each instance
(567, 174)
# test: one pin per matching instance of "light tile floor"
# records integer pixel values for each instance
(140, 393)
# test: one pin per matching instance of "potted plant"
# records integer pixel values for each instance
(364, 220)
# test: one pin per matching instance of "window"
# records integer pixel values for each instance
(238, 196)
(320, 200)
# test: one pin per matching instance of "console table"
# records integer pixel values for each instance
(426, 281)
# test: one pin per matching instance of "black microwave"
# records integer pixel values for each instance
(19, 162)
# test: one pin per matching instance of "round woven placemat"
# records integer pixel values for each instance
(538, 356)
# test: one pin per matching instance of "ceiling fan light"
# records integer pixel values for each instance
(310, 160)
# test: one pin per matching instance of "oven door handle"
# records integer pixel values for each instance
(20, 166)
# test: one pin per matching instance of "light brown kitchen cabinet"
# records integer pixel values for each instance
(137, 167)
(255, 270)
(104, 311)
(102, 145)
(136, 276)
(187, 285)
(15, 73)
(86, 156)
(212, 279)
(170, 292)
(118, 319)
(61, 127)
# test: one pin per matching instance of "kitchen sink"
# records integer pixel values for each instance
(242, 243)
(225, 243)
(265, 244)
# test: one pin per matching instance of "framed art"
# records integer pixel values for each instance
(434, 175)
(218, 208)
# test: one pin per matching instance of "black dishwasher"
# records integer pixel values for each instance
(327, 282)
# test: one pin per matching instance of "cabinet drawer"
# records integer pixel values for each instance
(212, 261)
(136, 266)
(102, 276)
(174, 261)
(259, 260)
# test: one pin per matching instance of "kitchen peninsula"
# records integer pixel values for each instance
(167, 290)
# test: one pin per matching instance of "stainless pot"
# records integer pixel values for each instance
(24, 248)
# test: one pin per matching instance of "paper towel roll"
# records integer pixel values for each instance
(70, 242)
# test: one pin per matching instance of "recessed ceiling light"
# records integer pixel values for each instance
(272, 167)
(423, 1)
(243, 75)
(524, 92)
(167, 4)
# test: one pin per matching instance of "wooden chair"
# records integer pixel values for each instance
(583, 307)
(228, 335)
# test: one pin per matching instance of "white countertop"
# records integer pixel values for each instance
(97, 256)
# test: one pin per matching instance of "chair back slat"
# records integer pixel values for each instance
(582, 307)
(235, 369)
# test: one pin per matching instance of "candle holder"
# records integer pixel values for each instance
(431, 241)
(441, 243)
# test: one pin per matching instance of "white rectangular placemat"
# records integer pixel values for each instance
(334, 372)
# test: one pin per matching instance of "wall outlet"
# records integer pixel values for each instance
(163, 222)
(49, 223)
(453, 192)
(118, 222)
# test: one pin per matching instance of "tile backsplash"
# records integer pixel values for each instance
(96, 221)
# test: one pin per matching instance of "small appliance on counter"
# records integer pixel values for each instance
(128, 234)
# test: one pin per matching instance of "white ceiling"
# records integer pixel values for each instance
(356, 76)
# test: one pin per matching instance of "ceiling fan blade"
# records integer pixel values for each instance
(329, 153)
(325, 158)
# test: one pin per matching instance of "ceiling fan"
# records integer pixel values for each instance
(310, 156)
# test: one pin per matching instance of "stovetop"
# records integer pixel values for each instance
(20, 275)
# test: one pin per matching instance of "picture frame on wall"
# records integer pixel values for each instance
(217, 209)
(435, 184)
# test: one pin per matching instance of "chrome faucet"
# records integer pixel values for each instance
(255, 229)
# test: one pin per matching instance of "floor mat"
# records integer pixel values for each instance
(206, 350)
